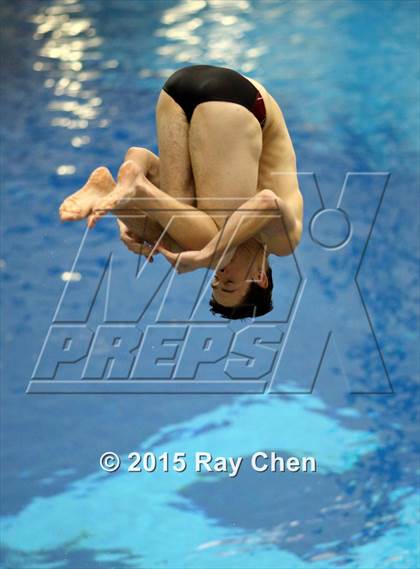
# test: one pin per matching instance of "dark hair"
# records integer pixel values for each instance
(256, 302)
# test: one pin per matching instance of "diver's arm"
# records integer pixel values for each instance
(281, 236)
(261, 215)
(188, 226)
(249, 220)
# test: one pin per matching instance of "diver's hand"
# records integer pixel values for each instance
(133, 243)
(184, 262)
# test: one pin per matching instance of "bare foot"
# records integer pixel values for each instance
(124, 191)
(80, 204)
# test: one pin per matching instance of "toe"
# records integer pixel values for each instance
(70, 207)
(101, 178)
(67, 214)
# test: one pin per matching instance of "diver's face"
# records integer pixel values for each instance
(228, 289)
(231, 283)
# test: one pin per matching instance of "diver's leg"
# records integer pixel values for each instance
(80, 204)
(100, 183)
(147, 161)
(187, 226)
(176, 178)
(141, 226)
(172, 171)
(174, 175)
(225, 142)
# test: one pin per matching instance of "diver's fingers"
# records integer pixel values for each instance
(172, 258)
(127, 238)
(169, 255)
(121, 226)
(141, 249)
(124, 229)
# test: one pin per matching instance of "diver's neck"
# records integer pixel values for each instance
(259, 253)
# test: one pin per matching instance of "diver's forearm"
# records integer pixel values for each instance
(142, 226)
(191, 228)
(246, 222)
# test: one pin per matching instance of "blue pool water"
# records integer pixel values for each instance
(80, 80)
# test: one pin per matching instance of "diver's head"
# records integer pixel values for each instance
(242, 289)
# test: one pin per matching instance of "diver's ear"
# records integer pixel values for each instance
(262, 279)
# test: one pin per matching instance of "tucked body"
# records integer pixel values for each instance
(222, 193)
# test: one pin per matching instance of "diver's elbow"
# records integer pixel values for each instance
(296, 236)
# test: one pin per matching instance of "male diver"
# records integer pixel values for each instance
(222, 193)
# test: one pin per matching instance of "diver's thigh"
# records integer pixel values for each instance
(225, 142)
(175, 166)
